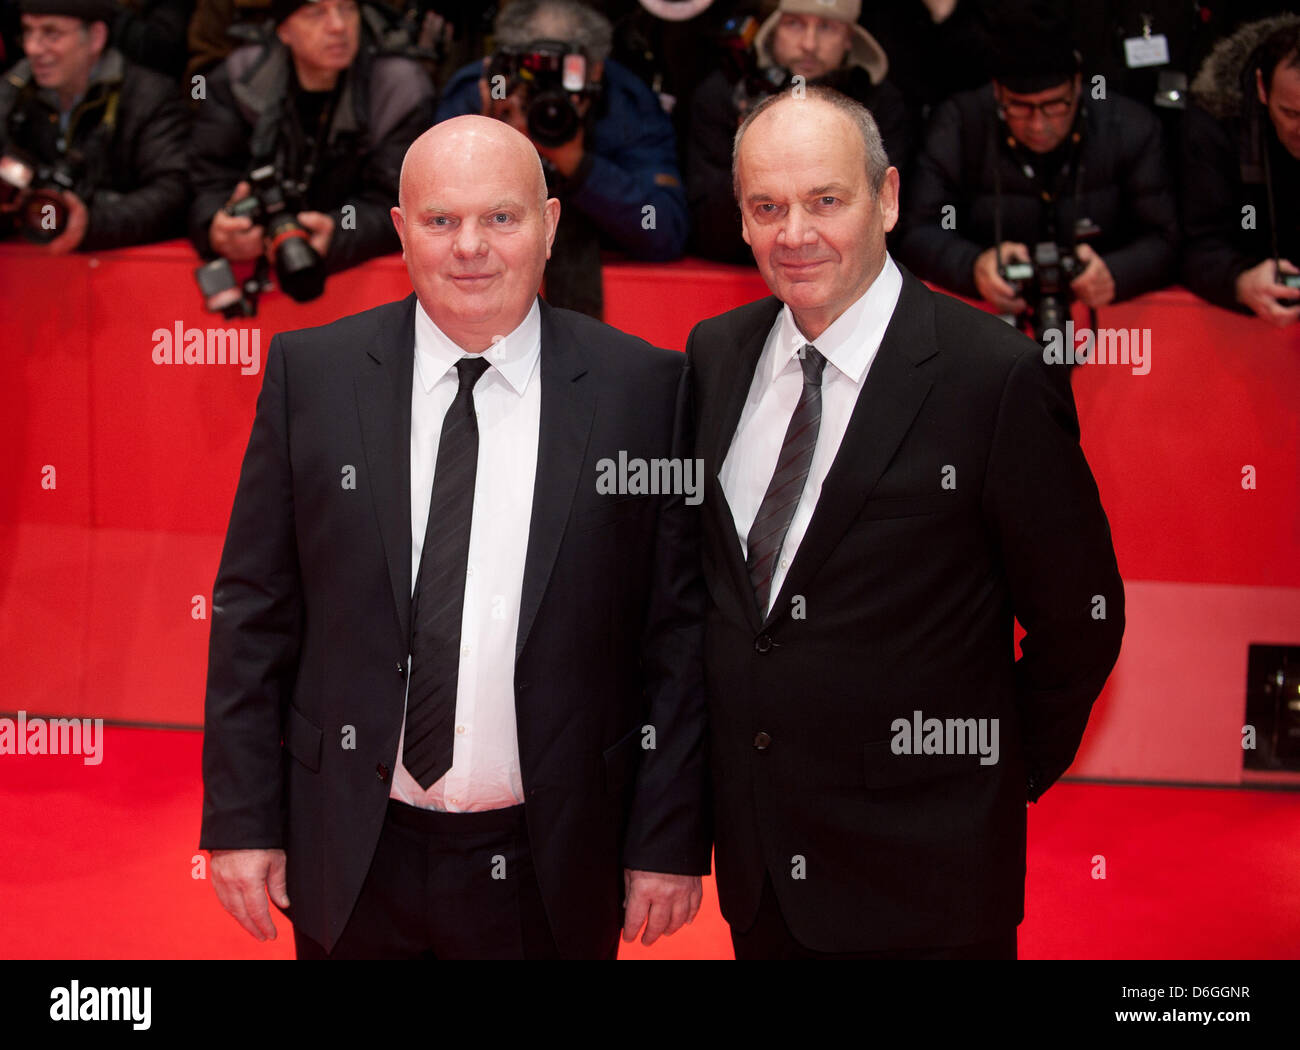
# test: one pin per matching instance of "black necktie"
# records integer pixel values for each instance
(775, 513)
(439, 598)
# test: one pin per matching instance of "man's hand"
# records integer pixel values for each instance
(989, 282)
(1258, 290)
(1094, 286)
(662, 903)
(74, 232)
(320, 230)
(513, 110)
(242, 879)
(235, 238)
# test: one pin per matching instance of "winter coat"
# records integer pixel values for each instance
(1119, 186)
(1227, 135)
(132, 127)
(384, 104)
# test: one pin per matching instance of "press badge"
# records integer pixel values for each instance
(1146, 50)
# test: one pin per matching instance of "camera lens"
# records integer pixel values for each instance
(44, 216)
(552, 120)
(298, 268)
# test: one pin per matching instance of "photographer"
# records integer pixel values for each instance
(94, 145)
(1241, 152)
(324, 121)
(818, 40)
(606, 145)
(1034, 164)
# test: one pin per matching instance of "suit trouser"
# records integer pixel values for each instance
(446, 886)
(770, 938)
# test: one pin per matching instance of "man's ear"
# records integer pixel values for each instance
(889, 199)
(1259, 86)
(551, 218)
(595, 72)
(98, 36)
(399, 224)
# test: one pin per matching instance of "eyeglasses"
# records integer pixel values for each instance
(1053, 107)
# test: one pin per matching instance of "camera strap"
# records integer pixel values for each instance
(320, 138)
(91, 159)
(263, 143)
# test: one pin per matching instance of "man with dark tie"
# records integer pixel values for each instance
(455, 702)
(892, 479)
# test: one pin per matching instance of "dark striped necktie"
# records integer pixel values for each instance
(439, 598)
(767, 534)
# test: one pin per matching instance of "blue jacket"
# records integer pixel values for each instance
(631, 162)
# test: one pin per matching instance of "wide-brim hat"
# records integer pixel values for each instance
(865, 51)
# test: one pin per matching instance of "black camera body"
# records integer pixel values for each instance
(551, 72)
(29, 196)
(270, 203)
(1044, 284)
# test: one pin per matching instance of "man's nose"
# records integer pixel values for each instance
(809, 41)
(468, 241)
(797, 230)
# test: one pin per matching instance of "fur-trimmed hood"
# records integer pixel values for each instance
(1220, 87)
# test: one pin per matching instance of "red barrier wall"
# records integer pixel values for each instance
(105, 576)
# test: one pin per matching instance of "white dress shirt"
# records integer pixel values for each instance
(849, 346)
(485, 770)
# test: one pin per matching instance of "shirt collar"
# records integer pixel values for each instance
(851, 341)
(514, 357)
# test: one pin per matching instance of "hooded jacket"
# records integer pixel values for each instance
(125, 146)
(249, 118)
(1229, 144)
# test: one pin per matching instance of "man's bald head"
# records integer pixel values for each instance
(476, 227)
(468, 142)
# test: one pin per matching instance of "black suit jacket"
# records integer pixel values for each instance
(908, 590)
(311, 607)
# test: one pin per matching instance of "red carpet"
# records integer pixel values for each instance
(98, 861)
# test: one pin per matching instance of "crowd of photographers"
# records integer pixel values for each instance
(1049, 152)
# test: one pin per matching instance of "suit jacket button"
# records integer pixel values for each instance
(401, 669)
(381, 771)
(763, 643)
(762, 742)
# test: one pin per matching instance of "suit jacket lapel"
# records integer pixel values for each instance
(383, 390)
(568, 408)
(891, 396)
(715, 442)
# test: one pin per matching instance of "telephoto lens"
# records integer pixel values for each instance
(552, 119)
(298, 267)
